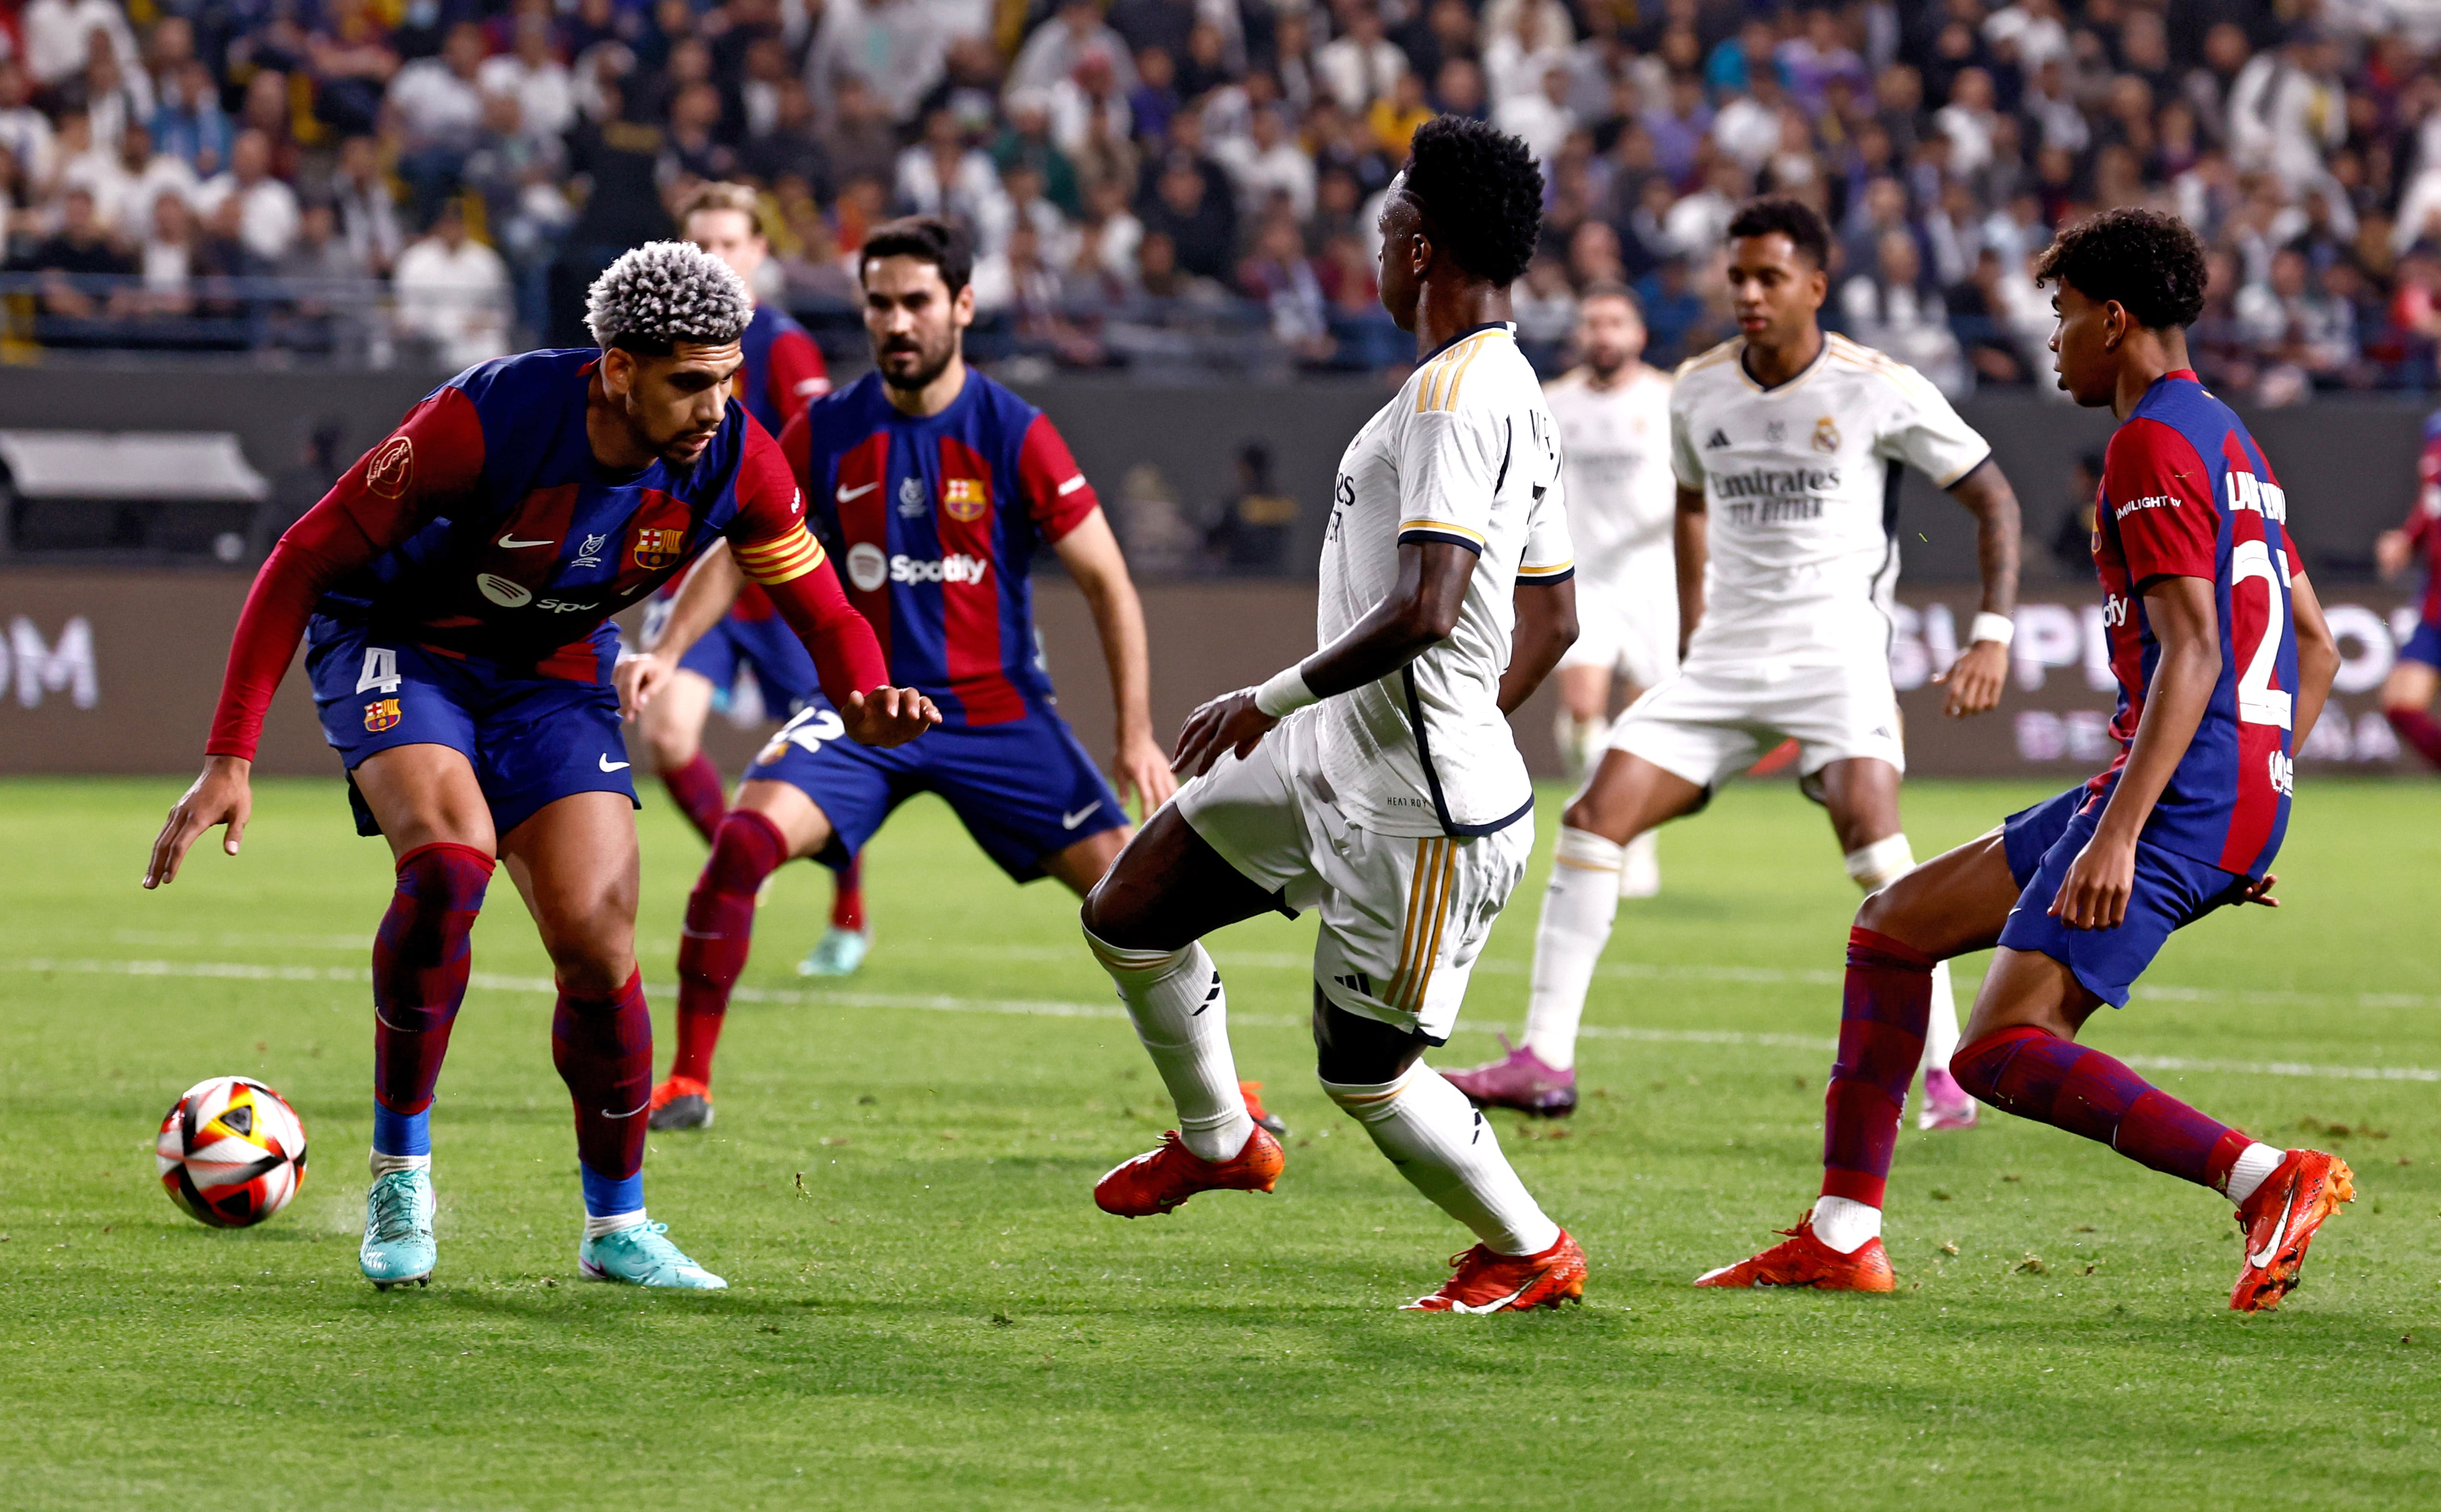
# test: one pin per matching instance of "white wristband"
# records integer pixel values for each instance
(1285, 693)
(1997, 628)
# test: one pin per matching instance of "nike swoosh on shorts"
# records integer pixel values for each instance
(1069, 822)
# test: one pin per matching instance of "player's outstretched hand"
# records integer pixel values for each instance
(2094, 893)
(1975, 680)
(1142, 767)
(639, 675)
(887, 716)
(2259, 891)
(1228, 722)
(223, 795)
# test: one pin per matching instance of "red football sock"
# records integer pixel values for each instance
(695, 790)
(1883, 1013)
(847, 896)
(2418, 730)
(2034, 1073)
(603, 1050)
(421, 957)
(719, 931)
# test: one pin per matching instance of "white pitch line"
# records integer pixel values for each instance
(1053, 1008)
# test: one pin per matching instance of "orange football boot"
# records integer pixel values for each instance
(2280, 1219)
(679, 1103)
(1488, 1281)
(1802, 1260)
(1269, 1122)
(1160, 1179)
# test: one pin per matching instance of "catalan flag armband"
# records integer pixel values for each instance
(791, 557)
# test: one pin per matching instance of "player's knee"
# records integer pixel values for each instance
(1893, 910)
(1353, 1051)
(592, 968)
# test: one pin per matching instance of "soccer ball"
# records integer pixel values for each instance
(231, 1152)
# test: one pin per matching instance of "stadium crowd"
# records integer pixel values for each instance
(1186, 183)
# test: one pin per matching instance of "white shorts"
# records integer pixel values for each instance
(1712, 720)
(1629, 635)
(1402, 917)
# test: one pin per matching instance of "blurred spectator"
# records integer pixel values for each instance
(544, 93)
(1266, 162)
(440, 109)
(859, 140)
(266, 207)
(80, 250)
(1541, 117)
(58, 35)
(1360, 65)
(1055, 51)
(453, 293)
(1277, 276)
(942, 176)
(898, 50)
(1189, 202)
(368, 216)
(1890, 308)
(188, 123)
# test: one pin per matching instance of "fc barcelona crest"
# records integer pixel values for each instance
(963, 497)
(381, 714)
(658, 548)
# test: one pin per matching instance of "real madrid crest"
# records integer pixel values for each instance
(1826, 434)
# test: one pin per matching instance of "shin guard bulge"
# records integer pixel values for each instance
(421, 957)
(719, 931)
(603, 1050)
(1580, 905)
(2034, 1073)
(1182, 1018)
(695, 790)
(1447, 1150)
(1882, 1015)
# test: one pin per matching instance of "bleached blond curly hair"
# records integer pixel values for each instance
(663, 293)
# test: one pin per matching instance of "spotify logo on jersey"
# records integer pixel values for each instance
(867, 567)
(502, 591)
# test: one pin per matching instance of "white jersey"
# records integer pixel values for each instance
(1615, 456)
(1466, 454)
(1800, 487)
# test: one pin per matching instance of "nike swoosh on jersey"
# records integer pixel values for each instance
(2279, 1232)
(609, 765)
(1069, 822)
(512, 542)
(849, 495)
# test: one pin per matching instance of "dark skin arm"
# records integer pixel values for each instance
(1688, 545)
(2094, 893)
(1421, 608)
(1975, 680)
(1547, 627)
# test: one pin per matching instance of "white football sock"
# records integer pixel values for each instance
(1845, 1224)
(1181, 1016)
(1579, 907)
(611, 1222)
(1448, 1151)
(1874, 867)
(1639, 873)
(384, 1164)
(1581, 742)
(2254, 1166)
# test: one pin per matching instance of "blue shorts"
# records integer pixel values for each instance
(782, 666)
(2424, 645)
(531, 740)
(2171, 892)
(1024, 789)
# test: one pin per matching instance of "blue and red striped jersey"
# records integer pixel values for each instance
(520, 546)
(784, 373)
(935, 521)
(2424, 521)
(2186, 492)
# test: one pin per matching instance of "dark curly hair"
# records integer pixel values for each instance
(2152, 264)
(1793, 219)
(1482, 192)
(927, 239)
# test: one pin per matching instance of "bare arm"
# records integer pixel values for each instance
(1547, 627)
(709, 587)
(1689, 544)
(2318, 659)
(2094, 893)
(1091, 554)
(1978, 676)
(1420, 609)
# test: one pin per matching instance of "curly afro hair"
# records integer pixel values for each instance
(1793, 219)
(663, 293)
(2152, 264)
(1481, 193)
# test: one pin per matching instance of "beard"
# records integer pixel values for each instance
(928, 365)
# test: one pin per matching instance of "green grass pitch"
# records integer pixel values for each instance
(926, 1311)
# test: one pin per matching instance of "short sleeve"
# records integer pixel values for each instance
(1686, 462)
(1921, 429)
(2159, 494)
(1549, 555)
(1450, 461)
(1056, 494)
(796, 372)
(767, 534)
(2426, 517)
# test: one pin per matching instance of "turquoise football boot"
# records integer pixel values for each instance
(398, 1246)
(639, 1255)
(837, 954)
